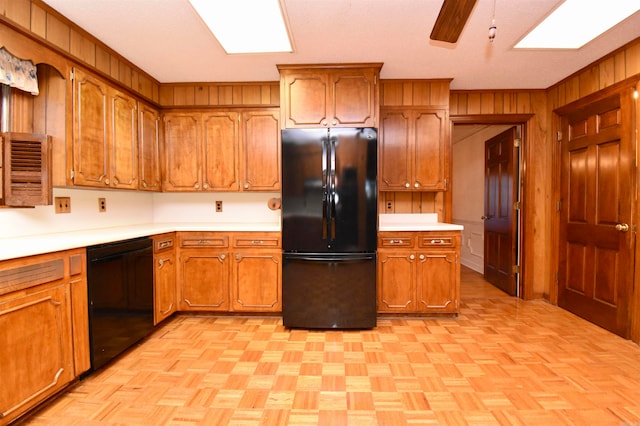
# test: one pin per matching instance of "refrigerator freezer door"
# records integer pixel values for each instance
(329, 291)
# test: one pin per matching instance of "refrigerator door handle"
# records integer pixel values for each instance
(332, 192)
(326, 213)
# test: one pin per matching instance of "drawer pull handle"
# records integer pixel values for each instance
(165, 244)
(256, 242)
(161, 262)
(438, 241)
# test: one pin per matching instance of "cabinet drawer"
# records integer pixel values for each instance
(256, 241)
(437, 241)
(203, 240)
(162, 244)
(398, 241)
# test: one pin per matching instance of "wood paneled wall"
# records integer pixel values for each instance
(35, 18)
(220, 94)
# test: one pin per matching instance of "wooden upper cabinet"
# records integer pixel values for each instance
(329, 96)
(123, 146)
(260, 162)
(220, 150)
(181, 153)
(105, 143)
(414, 149)
(149, 148)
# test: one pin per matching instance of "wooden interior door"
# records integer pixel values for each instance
(500, 221)
(595, 256)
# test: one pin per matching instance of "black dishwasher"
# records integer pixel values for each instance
(120, 284)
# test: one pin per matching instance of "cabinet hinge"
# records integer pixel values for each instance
(516, 269)
(71, 75)
(558, 205)
(73, 174)
(445, 184)
(559, 135)
(517, 205)
(516, 143)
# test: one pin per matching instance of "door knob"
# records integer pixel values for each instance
(485, 217)
(622, 227)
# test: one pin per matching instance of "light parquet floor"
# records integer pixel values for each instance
(503, 361)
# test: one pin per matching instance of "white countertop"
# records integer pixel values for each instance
(11, 248)
(414, 222)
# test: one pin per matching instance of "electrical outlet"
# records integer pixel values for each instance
(389, 206)
(102, 205)
(218, 206)
(62, 204)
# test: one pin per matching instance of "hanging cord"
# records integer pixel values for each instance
(493, 28)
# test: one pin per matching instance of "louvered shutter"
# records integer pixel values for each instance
(26, 170)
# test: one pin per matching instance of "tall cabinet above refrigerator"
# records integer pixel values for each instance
(329, 225)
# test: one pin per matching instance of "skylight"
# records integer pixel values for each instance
(576, 22)
(246, 26)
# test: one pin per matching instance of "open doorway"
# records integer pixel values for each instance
(483, 249)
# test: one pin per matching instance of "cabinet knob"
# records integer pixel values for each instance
(323, 122)
(223, 256)
(205, 186)
(107, 181)
(406, 185)
(144, 184)
(196, 186)
(412, 257)
(116, 181)
(334, 122)
(416, 185)
(422, 257)
(246, 185)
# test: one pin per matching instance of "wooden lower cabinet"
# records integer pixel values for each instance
(40, 351)
(164, 277)
(230, 272)
(255, 282)
(419, 272)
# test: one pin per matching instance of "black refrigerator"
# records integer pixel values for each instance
(329, 228)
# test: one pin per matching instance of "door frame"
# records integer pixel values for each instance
(525, 289)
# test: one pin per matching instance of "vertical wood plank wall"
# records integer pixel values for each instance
(37, 18)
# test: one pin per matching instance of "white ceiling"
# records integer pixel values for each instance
(166, 39)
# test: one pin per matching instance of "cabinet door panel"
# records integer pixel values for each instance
(353, 99)
(256, 282)
(204, 281)
(148, 149)
(306, 97)
(221, 143)
(438, 282)
(430, 154)
(124, 141)
(181, 152)
(396, 281)
(90, 125)
(36, 360)
(165, 286)
(396, 151)
(261, 151)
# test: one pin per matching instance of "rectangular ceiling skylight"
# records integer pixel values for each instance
(576, 22)
(246, 26)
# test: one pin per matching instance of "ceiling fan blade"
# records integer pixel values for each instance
(451, 20)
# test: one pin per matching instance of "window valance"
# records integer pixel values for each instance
(18, 73)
